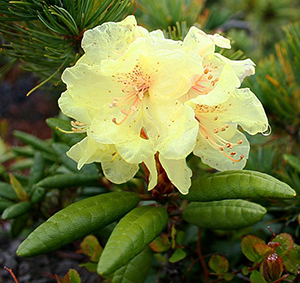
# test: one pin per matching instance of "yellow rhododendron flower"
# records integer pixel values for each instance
(142, 98)
(125, 92)
(220, 107)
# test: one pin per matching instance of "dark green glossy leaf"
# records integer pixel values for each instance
(224, 214)
(7, 191)
(37, 194)
(67, 180)
(77, 220)
(16, 210)
(132, 234)
(136, 270)
(4, 203)
(238, 184)
(37, 169)
(33, 141)
(18, 224)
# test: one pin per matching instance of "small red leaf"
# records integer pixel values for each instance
(263, 249)
(272, 267)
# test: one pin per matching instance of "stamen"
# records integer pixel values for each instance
(214, 135)
(115, 155)
(136, 86)
(64, 131)
(77, 127)
(232, 159)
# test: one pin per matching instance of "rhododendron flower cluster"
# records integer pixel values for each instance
(142, 98)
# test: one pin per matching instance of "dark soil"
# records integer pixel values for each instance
(40, 269)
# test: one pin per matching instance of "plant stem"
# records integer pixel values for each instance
(199, 252)
(11, 273)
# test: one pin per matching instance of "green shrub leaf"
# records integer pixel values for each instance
(7, 191)
(178, 255)
(37, 169)
(33, 141)
(219, 264)
(4, 203)
(132, 234)
(77, 220)
(16, 210)
(291, 260)
(238, 184)
(136, 270)
(292, 160)
(286, 242)
(248, 250)
(224, 214)
(67, 180)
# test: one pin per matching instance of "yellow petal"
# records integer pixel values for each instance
(229, 158)
(115, 168)
(151, 166)
(178, 172)
(86, 151)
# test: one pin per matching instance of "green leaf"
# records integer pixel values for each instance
(77, 220)
(74, 276)
(256, 277)
(224, 214)
(91, 247)
(21, 164)
(4, 203)
(18, 224)
(291, 260)
(238, 184)
(33, 141)
(7, 191)
(292, 160)
(67, 180)
(16, 210)
(90, 266)
(160, 244)
(219, 264)
(248, 250)
(71, 277)
(286, 242)
(37, 194)
(136, 270)
(132, 234)
(178, 255)
(37, 169)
